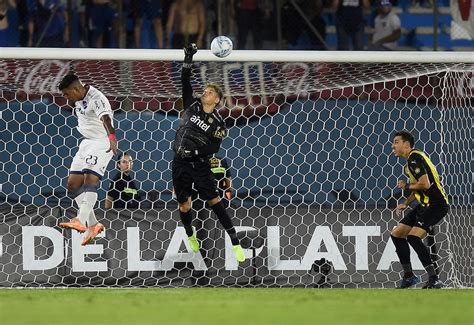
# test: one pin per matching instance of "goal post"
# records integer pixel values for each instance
(309, 147)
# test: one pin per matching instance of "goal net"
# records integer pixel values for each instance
(309, 150)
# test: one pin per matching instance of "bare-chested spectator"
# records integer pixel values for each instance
(186, 23)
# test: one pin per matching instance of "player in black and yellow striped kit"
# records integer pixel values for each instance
(425, 187)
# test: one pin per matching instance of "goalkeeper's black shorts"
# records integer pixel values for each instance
(187, 173)
(425, 217)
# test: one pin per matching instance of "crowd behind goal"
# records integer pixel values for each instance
(265, 24)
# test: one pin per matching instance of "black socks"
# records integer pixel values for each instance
(423, 254)
(403, 252)
(225, 221)
(186, 219)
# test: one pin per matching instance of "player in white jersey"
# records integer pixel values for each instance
(95, 123)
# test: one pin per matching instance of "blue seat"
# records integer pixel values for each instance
(410, 21)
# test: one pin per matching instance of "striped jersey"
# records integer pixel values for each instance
(418, 164)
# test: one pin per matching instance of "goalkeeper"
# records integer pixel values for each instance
(199, 135)
(425, 187)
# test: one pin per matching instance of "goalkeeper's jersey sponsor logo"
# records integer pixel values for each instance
(200, 123)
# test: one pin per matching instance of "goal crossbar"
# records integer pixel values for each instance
(242, 56)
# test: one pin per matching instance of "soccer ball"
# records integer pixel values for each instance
(221, 46)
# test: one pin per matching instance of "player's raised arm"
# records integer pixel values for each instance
(189, 51)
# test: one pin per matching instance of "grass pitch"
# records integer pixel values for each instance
(236, 306)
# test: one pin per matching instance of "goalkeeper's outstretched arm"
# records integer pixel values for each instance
(189, 51)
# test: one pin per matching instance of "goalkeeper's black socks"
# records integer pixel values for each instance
(420, 249)
(225, 221)
(186, 218)
(233, 236)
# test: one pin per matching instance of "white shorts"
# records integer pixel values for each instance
(92, 157)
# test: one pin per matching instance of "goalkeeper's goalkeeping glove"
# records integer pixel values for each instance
(189, 51)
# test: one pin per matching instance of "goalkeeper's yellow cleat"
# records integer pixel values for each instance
(193, 242)
(239, 253)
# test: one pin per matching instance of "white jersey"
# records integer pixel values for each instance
(384, 26)
(89, 111)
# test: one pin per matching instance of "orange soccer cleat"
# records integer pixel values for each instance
(92, 232)
(73, 224)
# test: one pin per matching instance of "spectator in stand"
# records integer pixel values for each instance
(315, 14)
(152, 10)
(82, 7)
(101, 20)
(247, 16)
(268, 24)
(22, 23)
(47, 23)
(186, 23)
(387, 29)
(296, 30)
(4, 33)
(123, 192)
(350, 23)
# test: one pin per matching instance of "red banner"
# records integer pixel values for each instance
(464, 9)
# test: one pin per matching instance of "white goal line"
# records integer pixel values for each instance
(238, 55)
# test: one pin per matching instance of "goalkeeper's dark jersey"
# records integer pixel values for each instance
(197, 129)
(418, 164)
